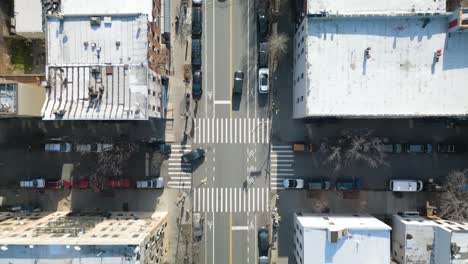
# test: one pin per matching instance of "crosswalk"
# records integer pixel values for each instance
(180, 175)
(231, 200)
(282, 165)
(232, 131)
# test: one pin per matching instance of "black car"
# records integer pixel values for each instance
(193, 155)
(262, 21)
(263, 243)
(450, 148)
(263, 55)
(197, 84)
(196, 22)
(196, 53)
(238, 82)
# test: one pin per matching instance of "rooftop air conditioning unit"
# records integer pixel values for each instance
(95, 21)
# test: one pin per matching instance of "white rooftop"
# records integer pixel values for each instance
(107, 7)
(367, 240)
(28, 15)
(354, 7)
(399, 79)
(109, 60)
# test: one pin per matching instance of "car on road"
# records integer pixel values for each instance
(348, 184)
(417, 148)
(58, 184)
(36, 183)
(262, 22)
(197, 223)
(86, 184)
(196, 53)
(262, 54)
(318, 185)
(293, 183)
(398, 185)
(263, 260)
(392, 148)
(263, 242)
(302, 147)
(238, 82)
(118, 183)
(196, 22)
(196, 84)
(58, 147)
(95, 147)
(263, 77)
(196, 2)
(450, 148)
(150, 184)
(193, 155)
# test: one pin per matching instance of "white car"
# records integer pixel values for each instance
(58, 147)
(293, 184)
(36, 183)
(150, 183)
(263, 77)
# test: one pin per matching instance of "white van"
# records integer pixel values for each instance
(405, 185)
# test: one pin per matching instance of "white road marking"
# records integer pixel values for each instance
(222, 102)
(237, 228)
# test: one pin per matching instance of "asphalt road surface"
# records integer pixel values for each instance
(235, 132)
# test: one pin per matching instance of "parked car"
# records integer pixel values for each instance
(262, 21)
(196, 2)
(150, 183)
(263, 243)
(293, 183)
(196, 22)
(196, 53)
(36, 183)
(302, 147)
(318, 185)
(58, 184)
(450, 148)
(58, 147)
(397, 185)
(263, 77)
(417, 148)
(95, 147)
(118, 183)
(85, 184)
(196, 83)
(193, 155)
(392, 148)
(263, 260)
(197, 227)
(238, 82)
(263, 54)
(348, 184)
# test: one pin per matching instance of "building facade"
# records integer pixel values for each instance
(340, 239)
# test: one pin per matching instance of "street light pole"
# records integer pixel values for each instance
(203, 182)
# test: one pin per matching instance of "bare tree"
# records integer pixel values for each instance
(354, 148)
(453, 202)
(111, 162)
(278, 47)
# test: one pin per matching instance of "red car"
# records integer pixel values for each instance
(85, 184)
(118, 183)
(60, 184)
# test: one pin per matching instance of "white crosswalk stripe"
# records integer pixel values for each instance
(282, 165)
(236, 200)
(180, 176)
(231, 131)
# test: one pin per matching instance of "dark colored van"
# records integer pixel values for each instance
(196, 22)
(196, 53)
(263, 55)
(238, 82)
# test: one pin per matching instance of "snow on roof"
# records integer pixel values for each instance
(107, 7)
(366, 240)
(28, 15)
(399, 79)
(97, 71)
(347, 7)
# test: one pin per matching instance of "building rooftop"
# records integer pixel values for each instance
(355, 7)
(28, 16)
(106, 7)
(97, 68)
(401, 77)
(344, 239)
